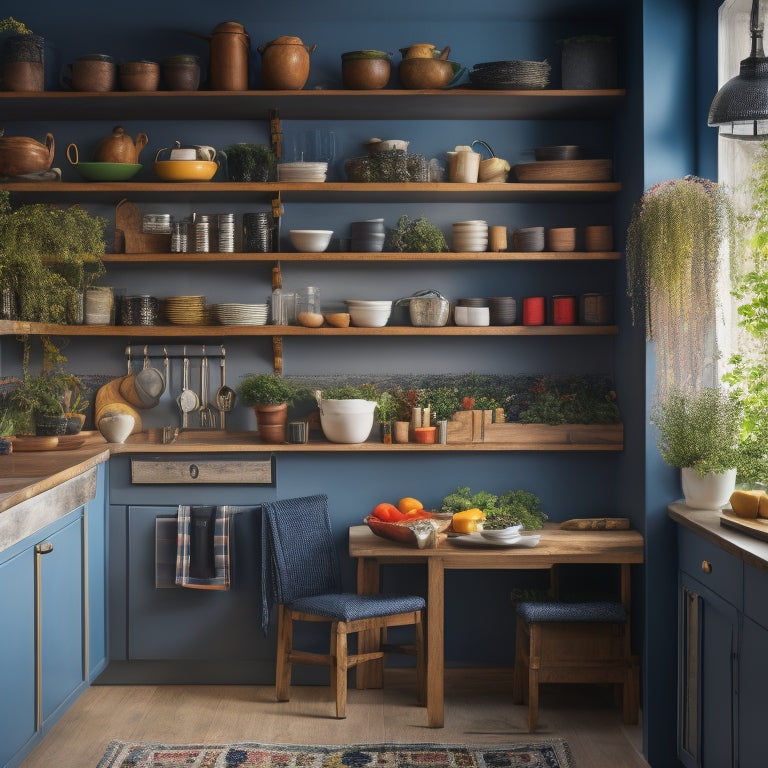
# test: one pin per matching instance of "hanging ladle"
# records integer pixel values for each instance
(187, 400)
(206, 413)
(225, 396)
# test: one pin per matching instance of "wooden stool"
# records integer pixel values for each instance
(574, 643)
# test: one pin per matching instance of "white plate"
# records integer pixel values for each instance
(476, 540)
(502, 533)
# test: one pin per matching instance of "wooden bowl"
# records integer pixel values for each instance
(423, 74)
(365, 73)
(337, 319)
(422, 534)
(20, 155)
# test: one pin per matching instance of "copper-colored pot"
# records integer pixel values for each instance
(119, 147)
(285, 64)
(20, 155)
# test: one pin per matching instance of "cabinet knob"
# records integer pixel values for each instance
(706, 566)
(43, 548)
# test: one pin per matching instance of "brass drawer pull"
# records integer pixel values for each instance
(706, 566)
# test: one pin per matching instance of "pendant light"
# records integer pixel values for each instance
(740, 107)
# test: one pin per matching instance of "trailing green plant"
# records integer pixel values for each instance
(48, 256)
(514, 507)
(266, 389)
(673, 251)
(415, 236)
(699, 429)
(443, 401)
(352, 392)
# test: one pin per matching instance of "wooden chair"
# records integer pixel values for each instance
(307, 587)
(584, 642)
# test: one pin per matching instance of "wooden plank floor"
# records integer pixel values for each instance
(478, 709)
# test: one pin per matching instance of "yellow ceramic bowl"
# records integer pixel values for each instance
(185, 170)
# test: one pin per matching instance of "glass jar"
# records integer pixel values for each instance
(308, 311)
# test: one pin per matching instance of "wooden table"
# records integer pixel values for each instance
(556, 547)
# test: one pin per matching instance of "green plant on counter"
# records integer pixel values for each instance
(352, 392)
(699, 429)
(266, 389)
(48, 256)
(415, 236)
(443, 401)
(514, 507)
(673, 248)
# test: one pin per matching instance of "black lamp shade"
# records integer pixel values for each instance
(743, 100)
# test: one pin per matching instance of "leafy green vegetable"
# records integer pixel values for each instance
(512, 508)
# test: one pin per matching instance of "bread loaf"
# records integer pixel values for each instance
(747, 504)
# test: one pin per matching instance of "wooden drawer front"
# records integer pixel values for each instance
(256, 471)
(756, 595)
(711, 566)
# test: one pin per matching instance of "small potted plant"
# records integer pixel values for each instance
(386, 411)
(74, 410)
(698, 431)
(250, 162)
(443, 402)
(37, 404)
(346, 412)
(269, 395)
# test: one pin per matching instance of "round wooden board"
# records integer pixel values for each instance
(35, 443)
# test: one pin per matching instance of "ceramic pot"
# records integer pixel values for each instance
(712, 491)
(285, 63)
(120, 147)
(50, 425)
(22, 61)
(20, 154)
(229, 57)
(271, 421)
(347, 421)
(116, 427)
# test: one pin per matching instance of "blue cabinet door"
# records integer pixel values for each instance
(61, 611)
(17, 653)
(753, 683)
(708, 644)
(97, 532)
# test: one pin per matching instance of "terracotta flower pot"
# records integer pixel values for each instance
(271, 421)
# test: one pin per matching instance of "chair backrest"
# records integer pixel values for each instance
(303, 554)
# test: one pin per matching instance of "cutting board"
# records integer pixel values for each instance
(757, 527)
(128, 220)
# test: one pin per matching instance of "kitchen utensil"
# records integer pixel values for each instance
(206, 413)
(187, 400)
(185, 170)
(149, 382)
(119, 147)
(225, 396)
(427, 308)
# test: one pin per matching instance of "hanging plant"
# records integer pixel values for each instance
(673, 252)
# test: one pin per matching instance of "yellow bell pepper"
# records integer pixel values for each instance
(468, 521)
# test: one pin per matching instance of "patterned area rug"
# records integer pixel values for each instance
(553, 753)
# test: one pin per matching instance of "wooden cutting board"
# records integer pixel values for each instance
(128, 221)
(757, 527)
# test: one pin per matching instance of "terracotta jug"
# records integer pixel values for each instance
(285, 64)
(119, 147)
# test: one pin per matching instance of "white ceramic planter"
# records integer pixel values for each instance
(346, 421)
(116, 427)
(712, 491)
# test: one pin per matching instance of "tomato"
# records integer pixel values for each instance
(409, 504)
(389, 513)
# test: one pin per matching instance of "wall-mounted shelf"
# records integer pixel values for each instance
(386, 104)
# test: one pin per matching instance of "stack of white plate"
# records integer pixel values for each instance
(470, 236)
(241, 314)
(302, 171)
(185, 310)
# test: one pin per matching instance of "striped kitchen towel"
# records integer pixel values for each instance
(221, 549)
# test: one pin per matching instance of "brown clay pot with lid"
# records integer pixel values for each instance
(119, 147)
(21, 154)
(229, 57)
(285, 63)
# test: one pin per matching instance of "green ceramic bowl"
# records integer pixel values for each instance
(107, 171)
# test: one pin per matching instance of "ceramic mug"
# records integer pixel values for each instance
(464, 166)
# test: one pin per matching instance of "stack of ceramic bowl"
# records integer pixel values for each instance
(367, 236)
(502, 310)
(561, 238)
(369, 314)
(185, 310)
(241, 314)
(300, 171)
(529, 239)
(470, 236)
(472, 311)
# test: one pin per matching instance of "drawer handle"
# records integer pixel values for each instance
(706, 566)
(43, 548)
(194, 471)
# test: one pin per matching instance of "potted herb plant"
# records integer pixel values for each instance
(37, 405)
(443, 402)
(386, 411)
(699, 431)
(250, 162)
(269, 395)
(346, 412)
(415, 236)
(48, 256)
(673, 247)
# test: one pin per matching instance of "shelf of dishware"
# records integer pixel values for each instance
(385, 104)
(356, 257)
(18, 327)
(328, 192)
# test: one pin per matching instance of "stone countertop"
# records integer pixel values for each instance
(706, 523)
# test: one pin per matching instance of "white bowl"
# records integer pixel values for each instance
(310, 240)
(346, 421)
(370, 316)
(471, 316)
(502, 534)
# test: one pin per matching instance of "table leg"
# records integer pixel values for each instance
(371, 674)
(435, 642)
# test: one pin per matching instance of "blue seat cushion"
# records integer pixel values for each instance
(348, 606)
(598, 610)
